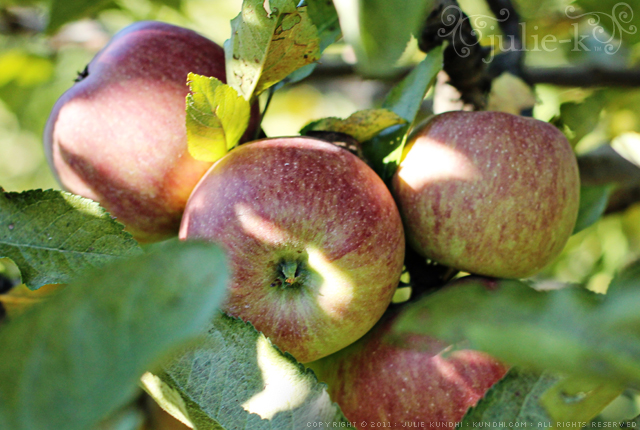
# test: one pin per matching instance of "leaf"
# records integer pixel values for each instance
(175, 4)
(616, 18)
(577, 399)
(385, 150)
(53, 235)
(571, 330)
(379, 30)
(593, 202)
(132, 417)
(511, 94)
(514, 399)
(20, 298)
(540, 400)
(216, 117)
(583, 117)
(237, 379)
(362, 125)
(24, 69)
(268, 45)
(63, 11)
(71, 361)
(324, 16)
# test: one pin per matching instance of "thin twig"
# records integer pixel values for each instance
(571, 76)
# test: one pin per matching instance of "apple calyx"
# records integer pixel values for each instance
(291, 274)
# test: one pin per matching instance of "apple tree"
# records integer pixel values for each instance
(444, 202)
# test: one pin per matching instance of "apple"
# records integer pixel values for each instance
(488, 193)
(418, 381)
(118, 135)
(314, 240)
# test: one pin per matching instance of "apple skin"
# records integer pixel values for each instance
(488, 193)
(118, 135)
(415, 381)
(313, 236)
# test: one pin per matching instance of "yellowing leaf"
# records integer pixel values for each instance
(362, 125)
(20, 297)
(578, 399)
(511, 94)
(216, 118)
(269, 41)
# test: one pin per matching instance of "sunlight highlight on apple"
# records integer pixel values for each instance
(279, 394)
(437, 162)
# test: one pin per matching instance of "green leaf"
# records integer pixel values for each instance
(268, 45)
(571, 330)
(175, 4)
(582, 118)
(216, 117)
(514, 399)
(593, 202)
(385, 150)
(616, 18)
(53, 235)
(626, 282)
(71, 361)
(236, 379)
(132, 417)
(379, 30)
(63, 11)
(324, 16)
(540, 400)
(362, 125)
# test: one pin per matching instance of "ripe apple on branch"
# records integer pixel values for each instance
(489, 193)
(314, 240)
(118, 135)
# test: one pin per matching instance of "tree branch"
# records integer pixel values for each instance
(464, 56)
(576, 76)
(509, 21)
(585, 76)
(604, 166)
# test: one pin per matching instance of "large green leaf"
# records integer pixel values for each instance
(216, 117)
(236, 379)
(269, 41)
(379, 30)
(385, 150)
(571, 330)
(53, 235)
(69, 362)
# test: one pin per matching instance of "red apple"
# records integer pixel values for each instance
(489, 193)
(118, 136)
(314, 238)
(418, 381)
